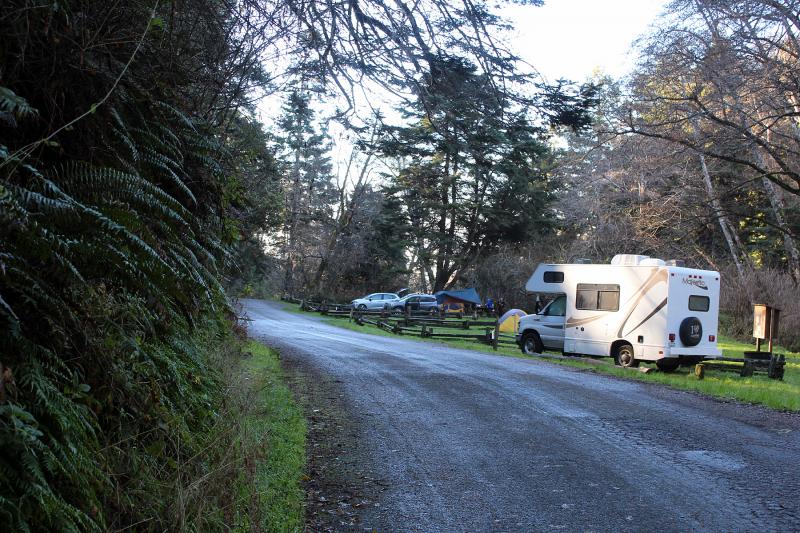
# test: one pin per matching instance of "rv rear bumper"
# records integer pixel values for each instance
(705, 352)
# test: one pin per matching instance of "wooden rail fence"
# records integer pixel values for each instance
(418, 323)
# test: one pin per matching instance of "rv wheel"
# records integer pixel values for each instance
(668, 364)
(625, 356)
(531, 343)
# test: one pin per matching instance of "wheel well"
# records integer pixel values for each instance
(529, 331)
(617, 344)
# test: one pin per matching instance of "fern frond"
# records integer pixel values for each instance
(12, 320)
(15, 105)
(81, 178)
(177, 114)
(162, 163)
(123, 137)
(173, 140)
(149, 140)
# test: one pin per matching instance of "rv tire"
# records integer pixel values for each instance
(668, 364)
(531, 343)
(625, 357)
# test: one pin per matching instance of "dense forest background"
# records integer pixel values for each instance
(139, 193)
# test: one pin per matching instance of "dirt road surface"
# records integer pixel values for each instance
(412, 436)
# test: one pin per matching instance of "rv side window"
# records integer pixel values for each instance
(593, 297)
(698, 303)
(553, 277)
(557, 308)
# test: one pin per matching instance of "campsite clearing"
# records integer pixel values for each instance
(757, 389)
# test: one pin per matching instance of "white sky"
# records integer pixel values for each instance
(572, 38)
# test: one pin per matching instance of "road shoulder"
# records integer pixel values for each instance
(340, 480)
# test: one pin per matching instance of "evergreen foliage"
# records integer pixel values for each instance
(308, 187)
(122, 189)
(473, 172)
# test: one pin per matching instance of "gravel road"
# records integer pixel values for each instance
(413, 436)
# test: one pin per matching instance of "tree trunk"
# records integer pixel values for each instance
(291, 228)
(719, 214)
(776, 203)
(792, 254)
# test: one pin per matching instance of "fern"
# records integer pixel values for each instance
(163, 167)
(110, 245)
(13, 106)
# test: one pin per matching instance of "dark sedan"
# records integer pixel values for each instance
(416, 303)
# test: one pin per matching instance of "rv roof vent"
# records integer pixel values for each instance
(582, 261)
(676, 263)
(627, 259)
(652, 262)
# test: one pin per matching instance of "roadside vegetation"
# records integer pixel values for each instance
(757, 389)
(274, 432)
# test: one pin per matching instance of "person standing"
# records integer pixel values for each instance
(501, 307)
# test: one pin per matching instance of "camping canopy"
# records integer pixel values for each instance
(469, 296)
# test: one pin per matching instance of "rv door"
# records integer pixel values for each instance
(551, 329)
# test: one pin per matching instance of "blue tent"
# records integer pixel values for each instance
(469, 296)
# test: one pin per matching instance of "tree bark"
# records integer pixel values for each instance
(719, 214)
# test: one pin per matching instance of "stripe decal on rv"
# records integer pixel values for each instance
(579, 322)
(657, 277)
(648, 317)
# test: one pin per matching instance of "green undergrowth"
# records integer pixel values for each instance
(758, 389)
(275, 427)
(189, 433)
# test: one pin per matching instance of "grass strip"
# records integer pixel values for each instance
(758, 389)
(275, 426)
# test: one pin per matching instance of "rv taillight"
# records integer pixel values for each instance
(671, 337)
(712, 338)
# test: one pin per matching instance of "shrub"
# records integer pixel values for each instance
(767, 286)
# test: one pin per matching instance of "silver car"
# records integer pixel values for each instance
(376, 300)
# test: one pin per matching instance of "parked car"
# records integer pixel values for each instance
(376, 300)
(416, 302)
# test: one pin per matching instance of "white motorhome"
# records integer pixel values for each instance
(635, 309)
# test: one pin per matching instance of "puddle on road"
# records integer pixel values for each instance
(717, 460)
